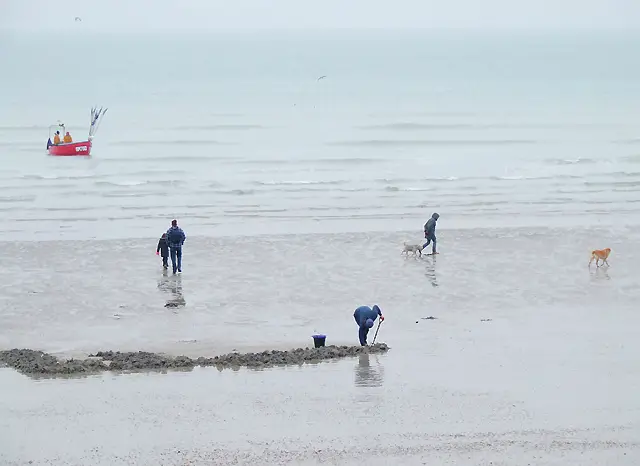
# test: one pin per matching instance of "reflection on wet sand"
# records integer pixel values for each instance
(173, 286)
(430, 272)
(367, 375)
(600, 273)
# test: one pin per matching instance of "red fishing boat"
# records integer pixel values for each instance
(82, 148)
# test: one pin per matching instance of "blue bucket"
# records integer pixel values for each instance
(318, 340)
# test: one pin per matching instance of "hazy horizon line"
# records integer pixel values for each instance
(82, 30)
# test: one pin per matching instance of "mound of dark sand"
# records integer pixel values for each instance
(37, 362)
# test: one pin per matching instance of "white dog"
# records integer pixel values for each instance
(414, 248)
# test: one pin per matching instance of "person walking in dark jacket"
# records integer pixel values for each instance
(175, 239)
(365, 317)
(163, 250)
(430, 232)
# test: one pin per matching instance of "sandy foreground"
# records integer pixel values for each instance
(531, 359)
(479, 399)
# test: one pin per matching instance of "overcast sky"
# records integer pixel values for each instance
(140, 15)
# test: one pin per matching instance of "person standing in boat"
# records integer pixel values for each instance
(67, 138)
(175, 238)
(56, 138)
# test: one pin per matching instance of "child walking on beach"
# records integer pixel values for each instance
(163, 250)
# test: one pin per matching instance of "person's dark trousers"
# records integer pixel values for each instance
(362, 334)
(176, 259)
(165, 262)
(430, 239)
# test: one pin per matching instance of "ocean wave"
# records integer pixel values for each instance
(533, 177)
(140, 207)
(417, 126)
(53, 176)
(152, 171)
(213, 127)
(580, 191)
(63, 219)
(132, 183)
(408, 189)
(77, 193)
(409, 126)
(420, 114)
(120, 183)
(165, 142)
(236, 192)
(255, 211)
(618, 174)
(173, 158)
(476, 178)
(344, 161)
(41, 187)
(25, 198)
(614, 184)
(299, 182)
(577, 161)
(463, 192)
(311, 189)
(482, 203)
(317, 161)
(50, 176)
(340, 208)
(414, 180)
(515, 178)
(133, 194)
(60, 209)
(433, 142)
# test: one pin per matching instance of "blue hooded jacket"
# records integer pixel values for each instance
(363, 313)
(430, 226)
(175, 237)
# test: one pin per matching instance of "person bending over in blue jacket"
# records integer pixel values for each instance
(430, 232)
(365, 316)
(175, 238)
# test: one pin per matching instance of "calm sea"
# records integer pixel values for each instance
(235, 134)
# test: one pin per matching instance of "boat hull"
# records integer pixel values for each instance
(72, 149)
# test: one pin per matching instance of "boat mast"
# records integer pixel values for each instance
(96, 118)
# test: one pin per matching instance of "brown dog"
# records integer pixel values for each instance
(600, 255)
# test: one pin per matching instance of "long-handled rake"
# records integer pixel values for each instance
(374, 337)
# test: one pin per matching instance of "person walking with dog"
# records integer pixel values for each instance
(430, 232)
(365, 317)
(175, 239)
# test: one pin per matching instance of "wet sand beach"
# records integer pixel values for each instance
(530, 357)
(273, 292)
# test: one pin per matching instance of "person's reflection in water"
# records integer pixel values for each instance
(173, 286)
(367, 375)
(431, 271)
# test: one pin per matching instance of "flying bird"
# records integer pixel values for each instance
(78, 18)
(321, 77)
